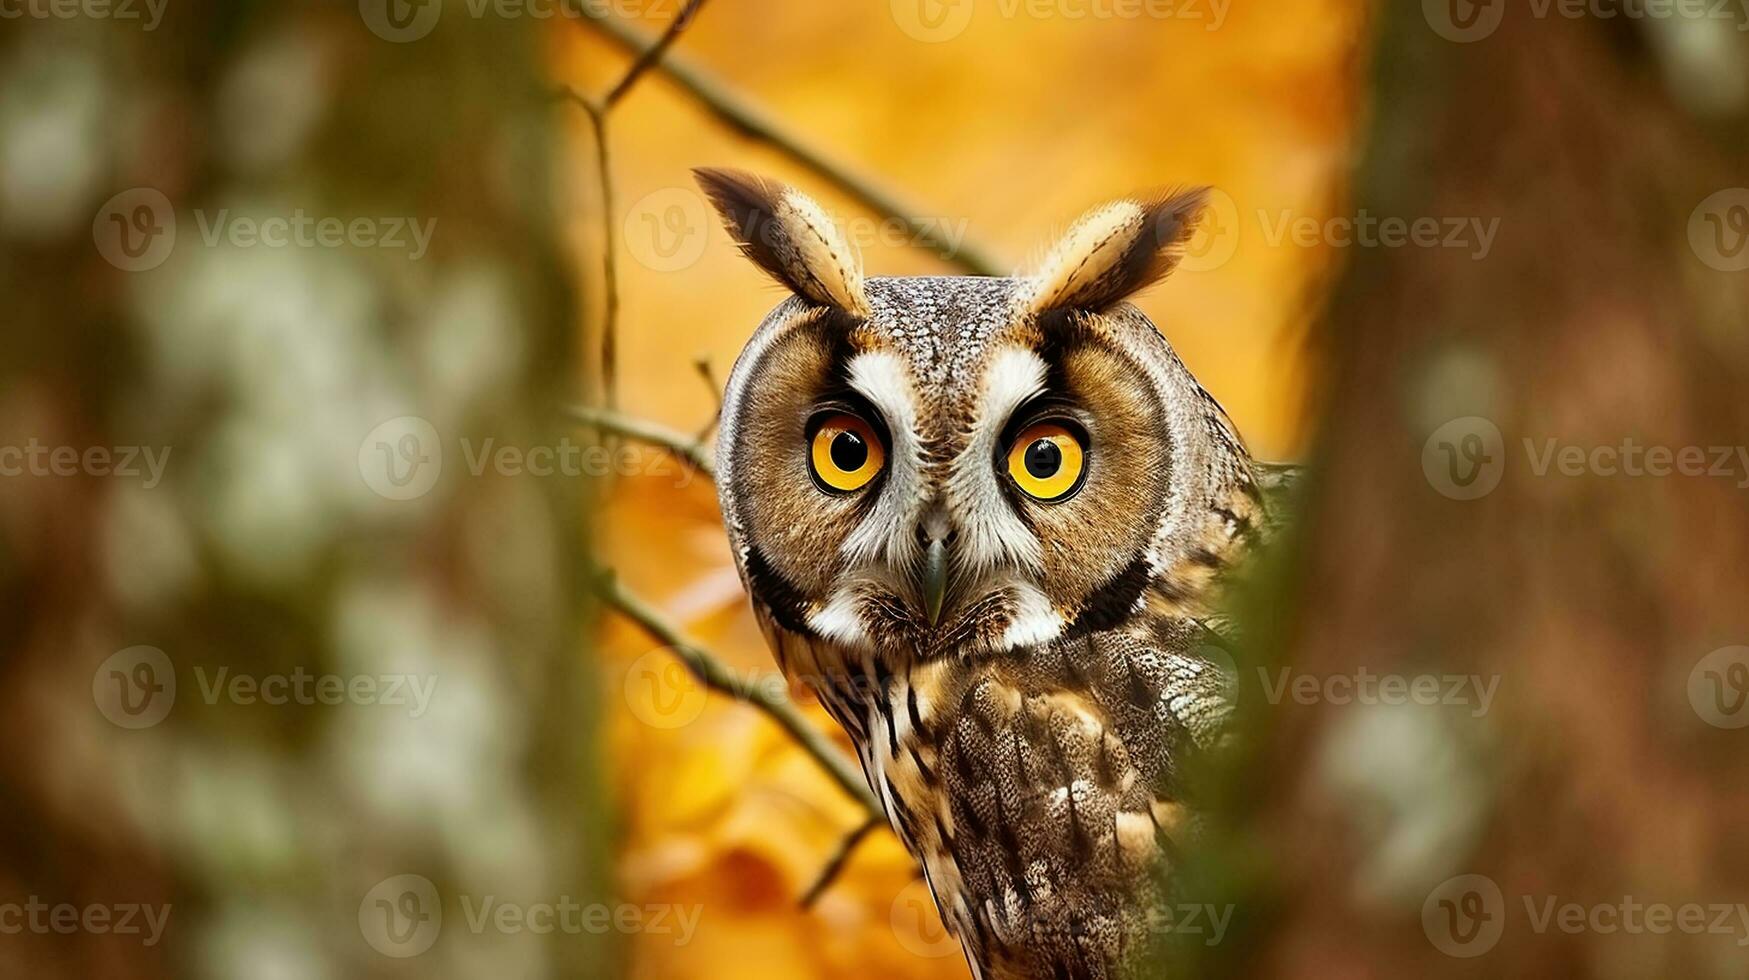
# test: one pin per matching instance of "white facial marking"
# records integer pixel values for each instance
(991, 534)
(885, 534)
(1035, 620)
(839, 621)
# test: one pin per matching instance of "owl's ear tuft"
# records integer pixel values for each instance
(1116, 250)
(788, 235)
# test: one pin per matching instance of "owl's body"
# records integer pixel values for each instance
(1038, 791)
(979, 518)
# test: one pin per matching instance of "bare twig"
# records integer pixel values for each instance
(609, 249)
(691, 451)
(597, 113)
(652, 54)
(840, 857)
(751, 122)
(709, 670)
(714, 675)
(703, 366)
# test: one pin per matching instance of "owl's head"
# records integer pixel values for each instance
(925, 465)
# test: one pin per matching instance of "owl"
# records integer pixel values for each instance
(980, 518)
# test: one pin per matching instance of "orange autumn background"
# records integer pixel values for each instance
(1004, 132)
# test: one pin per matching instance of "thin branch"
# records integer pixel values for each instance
(713, 674)
(704, 666)
(652, 54)
(703, 366)
(609, 249)
(755, 124)
(597, 113)
(840, 858)
(691, 451)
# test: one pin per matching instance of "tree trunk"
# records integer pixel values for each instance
(305, 255)
(1610, 760)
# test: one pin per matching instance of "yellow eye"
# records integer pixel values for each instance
(845, 453)
(1047, 461)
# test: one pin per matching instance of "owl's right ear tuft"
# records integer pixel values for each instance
(1117, 250)
(788, 235)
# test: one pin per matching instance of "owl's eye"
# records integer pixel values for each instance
(1047, 461)
(845, 453)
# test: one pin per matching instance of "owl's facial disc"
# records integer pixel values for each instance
(997, 494)
(941, 464)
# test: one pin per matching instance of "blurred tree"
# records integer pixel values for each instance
(1608, 312)
(305, 255)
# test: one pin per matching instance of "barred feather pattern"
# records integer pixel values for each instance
(1041, 790)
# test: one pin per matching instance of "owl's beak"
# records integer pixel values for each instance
(934, 579)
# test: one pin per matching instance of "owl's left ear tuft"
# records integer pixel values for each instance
(1116, 250)
(788, 235)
